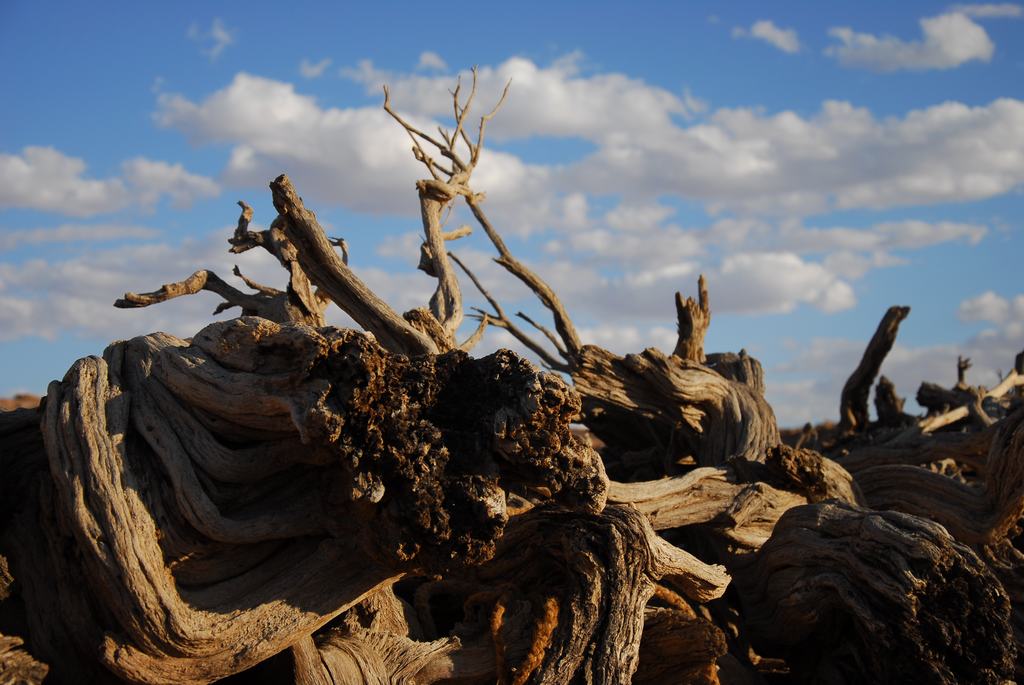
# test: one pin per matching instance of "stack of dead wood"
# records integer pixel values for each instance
(276, 500)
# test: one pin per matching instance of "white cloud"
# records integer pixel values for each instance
(46, 179)
(639, 216)
(630, 339)
(75, 296)
(842, 157)
(764, 29)
(151, 179)
(884, 236)
(993, 308)
(357, 157)
(314, 69)
(73, 233)
(553, 100)
(776, 282)
(213, 41)
(741, 160)
(990, 10)
(948, 40)
(431, 61)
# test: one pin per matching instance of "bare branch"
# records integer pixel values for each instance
(563, 324)
(473, 339)
(265, 289)
(499, 320)
(318, 259)
(198, 281)
(413, 132)
(244, 239)
(483, 122)
(546, 332)
(853, 410)
(461, 112)
(343, 246)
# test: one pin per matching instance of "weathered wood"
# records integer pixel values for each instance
(693, 318)
(678, 647)
(849, 595)
(853, 406)
(722, 418)
(329, 273)
(17, 667)
(600, 570)
(297, 304)
(889, 406)
(738, 367)
(392, 452)
(273, 500)
(972, 515)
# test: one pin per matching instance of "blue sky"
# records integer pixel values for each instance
(818, 161)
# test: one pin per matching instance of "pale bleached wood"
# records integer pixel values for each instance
(693, 318)
(725, 418)
(329, 273)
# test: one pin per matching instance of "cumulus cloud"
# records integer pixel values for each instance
(314, 69)
(992, 307)
(51, 297)
(46, 179)
(638, 216)
(553, 100)
(776, 282)
(213, 41)
(150, 180)
(990, 10)
(947, 41)
(740, 160)
(431, 61)
(765, 30)
(840, 158)
(356, 157)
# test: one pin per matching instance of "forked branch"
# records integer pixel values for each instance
(693, 320)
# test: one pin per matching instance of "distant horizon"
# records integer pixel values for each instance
(817, 163)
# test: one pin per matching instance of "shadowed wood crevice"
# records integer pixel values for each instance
(411, 464)
(563, 599)
(973, 515)
(17, 667)
(875, 596)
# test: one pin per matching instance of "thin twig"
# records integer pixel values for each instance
(499, 319)
(547, 333)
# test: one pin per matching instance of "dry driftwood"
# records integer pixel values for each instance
(875, 596)
(853, 409)
(373, 470)
(17, 667)
(973, 515)
(274, 500)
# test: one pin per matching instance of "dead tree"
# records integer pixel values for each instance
(853, 410)
(278, 500)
